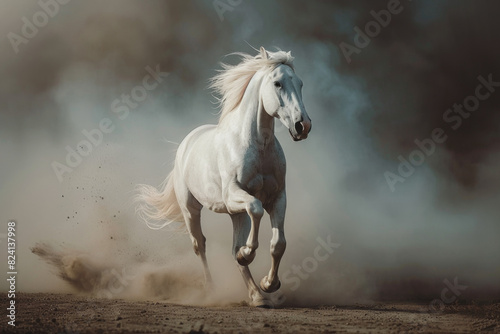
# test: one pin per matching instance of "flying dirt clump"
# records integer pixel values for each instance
(75, 268)
(89, 274)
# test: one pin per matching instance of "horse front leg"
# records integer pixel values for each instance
(241, 231)
(271, 282)
(237, 201)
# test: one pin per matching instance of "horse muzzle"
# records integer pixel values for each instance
(300, 130)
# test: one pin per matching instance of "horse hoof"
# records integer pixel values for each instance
(262, 303)
(265, 305)
(242, 260)
(267, 287)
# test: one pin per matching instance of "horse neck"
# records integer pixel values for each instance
(256, 125)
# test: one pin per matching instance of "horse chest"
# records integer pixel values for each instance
(262, 174)
(262, 185)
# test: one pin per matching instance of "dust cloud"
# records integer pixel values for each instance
(440, 223)
(111, 279)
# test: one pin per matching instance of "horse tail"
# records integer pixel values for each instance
(159, 208)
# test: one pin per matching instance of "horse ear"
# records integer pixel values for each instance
(263, 53)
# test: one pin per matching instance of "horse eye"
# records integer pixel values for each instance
(277, 84)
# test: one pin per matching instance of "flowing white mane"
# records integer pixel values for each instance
(232, 81)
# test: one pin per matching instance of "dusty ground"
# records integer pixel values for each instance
(62, 313)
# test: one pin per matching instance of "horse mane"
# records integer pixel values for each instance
(232, 81)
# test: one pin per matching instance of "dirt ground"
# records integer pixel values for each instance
(63, 313)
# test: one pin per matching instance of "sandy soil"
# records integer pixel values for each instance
(62, 313)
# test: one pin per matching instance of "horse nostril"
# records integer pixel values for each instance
(299, 127)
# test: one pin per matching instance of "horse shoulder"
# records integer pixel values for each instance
(280, 156)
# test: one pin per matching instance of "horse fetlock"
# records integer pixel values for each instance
(198, 247)
(270, 286)
(245, 255)
(251, 247)
(255, 209)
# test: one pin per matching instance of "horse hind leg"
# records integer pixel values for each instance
(192, 218)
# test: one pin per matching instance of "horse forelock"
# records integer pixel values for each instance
(231, 82)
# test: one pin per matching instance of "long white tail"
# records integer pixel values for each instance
(158, 208)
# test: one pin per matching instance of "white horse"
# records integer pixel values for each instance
(237, 166)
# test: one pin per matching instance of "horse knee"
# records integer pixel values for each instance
(255, 208)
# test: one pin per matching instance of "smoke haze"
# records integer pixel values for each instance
(442, 222)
